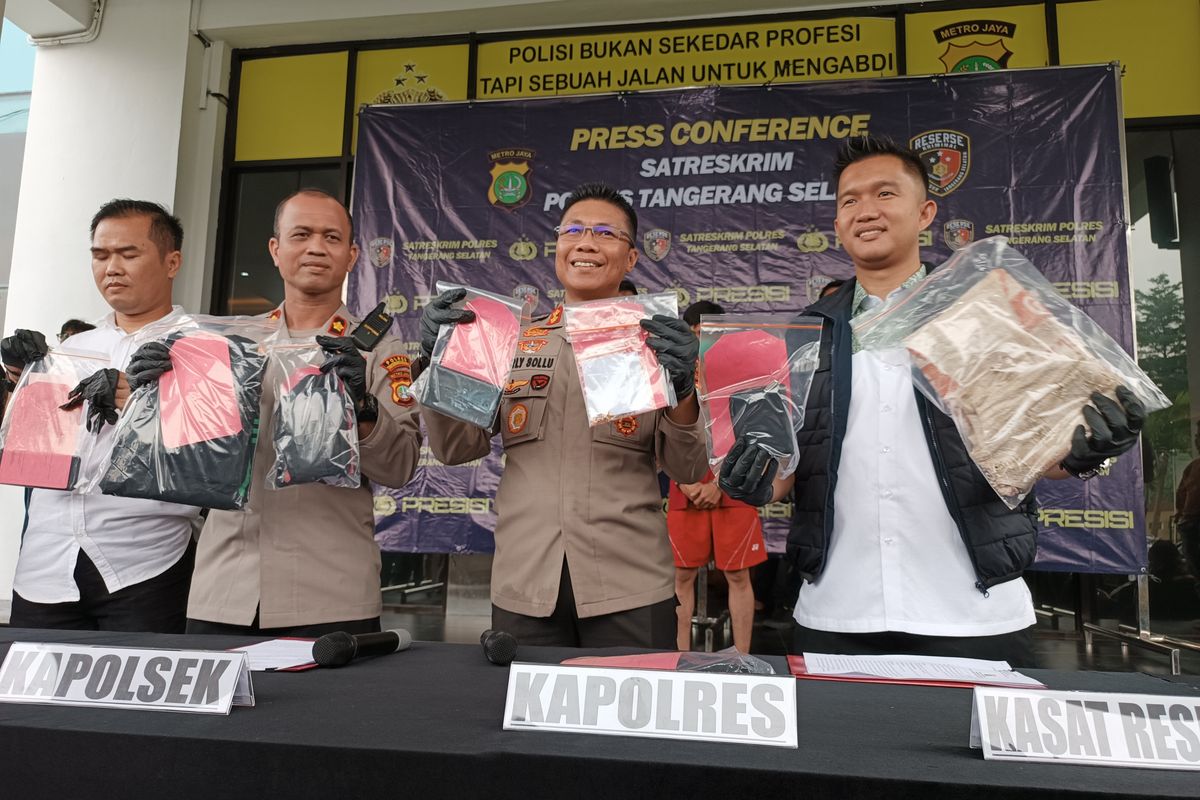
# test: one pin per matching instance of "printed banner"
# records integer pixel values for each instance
(733, 189)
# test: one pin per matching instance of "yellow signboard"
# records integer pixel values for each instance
(410, 75)
(770, 52)
(291, 107)
(976, 39)
(1158, 45)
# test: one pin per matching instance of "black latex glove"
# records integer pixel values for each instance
(440, 312)
(677, 349)
(100, 392)
(22, 348)
(348, 364)
(148, 364)
(1114, 427)
(748, 473)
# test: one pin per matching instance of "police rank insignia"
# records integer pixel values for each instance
(510, 177)
(555, 316)
(275, 315)
(532, 345)
(379, 251)
(518, 417)
(947, 157)
(626, 426)
(656, 243)
(337, 326)
(958, 233)
(399, 372)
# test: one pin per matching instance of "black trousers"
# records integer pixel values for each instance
(1016, 648)
(156, 605)
(651, 626)
(302, 631)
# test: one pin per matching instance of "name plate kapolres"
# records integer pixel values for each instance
(200, 681)
(1128, 730)
(705, 706)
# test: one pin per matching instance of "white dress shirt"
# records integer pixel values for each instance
(896, 561)
(129, 540)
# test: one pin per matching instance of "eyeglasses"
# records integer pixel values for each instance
(602, 233)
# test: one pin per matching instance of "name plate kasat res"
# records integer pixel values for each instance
(199, 681)
(704, 706)
(1128, 730)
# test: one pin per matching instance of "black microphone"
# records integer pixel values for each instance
(499, 647)
(340, 648)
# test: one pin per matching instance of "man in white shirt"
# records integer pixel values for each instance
(904, 546)
(95, 562)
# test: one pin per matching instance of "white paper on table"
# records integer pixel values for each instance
(278, 654)
(918, 668)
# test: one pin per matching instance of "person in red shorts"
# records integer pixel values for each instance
(705, 524)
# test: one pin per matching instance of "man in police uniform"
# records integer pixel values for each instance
(302, 561)
(582, 556)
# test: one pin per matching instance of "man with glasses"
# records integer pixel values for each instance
(582, 556)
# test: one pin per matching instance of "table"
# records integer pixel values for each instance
(426, 723)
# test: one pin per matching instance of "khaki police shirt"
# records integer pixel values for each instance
(590, 495)
(306, 554)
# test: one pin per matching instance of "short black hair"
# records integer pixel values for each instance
(868, 146)
(310, 191)
(693, 313)
(627, 285)
(166, 230)
(602, 191)
(74, 326)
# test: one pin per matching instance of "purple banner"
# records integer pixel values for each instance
(734, 195)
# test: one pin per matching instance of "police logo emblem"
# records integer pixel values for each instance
(379, 251)
(947, 157)
(975, 45)
(958, 233)
(815, 285)
(539, 382)
(657, 243)
(399, 372)
(812, 242)
(626, 426)
(510, 175)
(528, 295)
(518, 417)
(522, 250)
(532, 345)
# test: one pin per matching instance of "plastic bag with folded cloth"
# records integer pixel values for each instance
(995, 347)
(619, 373)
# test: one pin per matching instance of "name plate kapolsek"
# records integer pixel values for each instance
(711, 707)
(200, 681)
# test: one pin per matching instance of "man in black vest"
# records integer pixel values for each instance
(903, 545)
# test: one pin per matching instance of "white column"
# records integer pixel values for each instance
(104, 121)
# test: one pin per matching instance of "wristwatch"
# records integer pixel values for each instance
(369, 411)
(1088, 474)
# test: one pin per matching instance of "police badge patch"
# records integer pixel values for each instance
(380, 250)
(814, 285)
(947, 157)
(510, 175)
(399, 372)
(626, 426)
(958, 233)
(656, 243)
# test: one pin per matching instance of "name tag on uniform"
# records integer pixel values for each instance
(708, 707)
(200, 681)
(1130, 730)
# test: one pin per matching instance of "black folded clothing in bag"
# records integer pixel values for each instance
(315, 433)
(761, 414)
(189, 437)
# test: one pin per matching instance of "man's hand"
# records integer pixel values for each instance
(439, 312)
(1115, 428)
(748, 473)
(147, 365)
(347, 363)
(100, 392)
(709, 497)
(677, 349)
(691, 491)
(22, 349)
